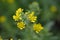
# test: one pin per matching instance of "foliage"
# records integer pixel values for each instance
(28, 19)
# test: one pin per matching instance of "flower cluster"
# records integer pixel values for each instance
(17, 17)
(29, 16)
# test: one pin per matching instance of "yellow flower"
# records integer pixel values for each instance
(18, 14)
(1, 38)
(37, 27)
(11, 38)
(36, 3)
(10, 1)
(19, 39)
(2, 19)
(3, 0)
(16, 18)
(53, 9)
(21, 25)
(31, 17)
(18, 11)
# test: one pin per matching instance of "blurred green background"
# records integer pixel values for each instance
(49, 17)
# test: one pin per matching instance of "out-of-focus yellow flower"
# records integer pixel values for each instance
(37, 27)
(1, 38)
(3, 0)
(18, 14)
(26, 13)
(31, 17)
(19, 39)
(21, 25)
(2, 19)
(11, 38)
(36, 3)
(10, 1)
(53, 8)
